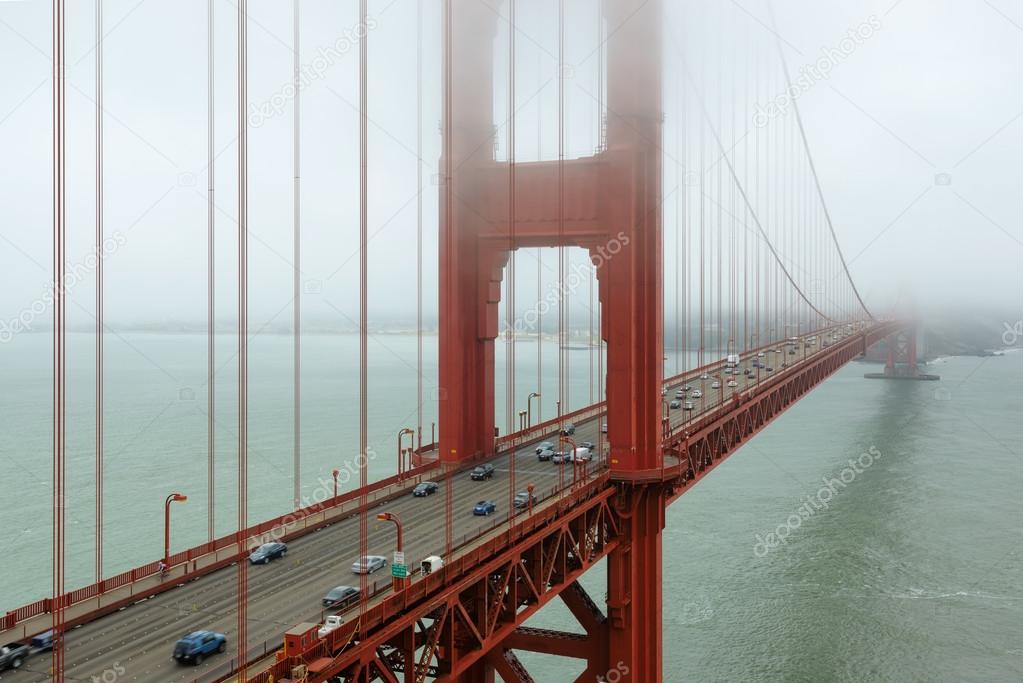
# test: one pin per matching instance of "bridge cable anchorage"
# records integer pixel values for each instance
(813, 168)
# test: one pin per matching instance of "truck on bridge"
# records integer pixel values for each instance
(12, 655)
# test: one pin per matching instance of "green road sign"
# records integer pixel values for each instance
(399, 571)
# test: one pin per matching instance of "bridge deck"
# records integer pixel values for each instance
(288, 591)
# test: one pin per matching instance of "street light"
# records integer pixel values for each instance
(172, 498)
(397, 583)
(401, 435)
(529, 407)
(335, 473)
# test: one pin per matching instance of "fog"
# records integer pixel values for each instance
(915, 134)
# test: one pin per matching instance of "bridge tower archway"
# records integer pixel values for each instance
(609, 204)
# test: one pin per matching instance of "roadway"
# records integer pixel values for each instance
(139, 639)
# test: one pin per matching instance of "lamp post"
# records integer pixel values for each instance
(529, 408)
(172, 498)
(571, 442)
(335, 473)
(401, 461)
(522, 420)
(397, 582)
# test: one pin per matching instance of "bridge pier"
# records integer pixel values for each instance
(901, 358)
(634, 590)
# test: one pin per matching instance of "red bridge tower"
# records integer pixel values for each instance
(608, 204)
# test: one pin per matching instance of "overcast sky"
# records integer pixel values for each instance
(916, 134)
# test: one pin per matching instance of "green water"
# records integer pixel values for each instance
(911, 573)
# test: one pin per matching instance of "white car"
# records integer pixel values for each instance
(761, 354)
(369, 564)
(705, 376)
(689, 405)
(715, 385)
(732, 383)
(331, 623)
(697, 394)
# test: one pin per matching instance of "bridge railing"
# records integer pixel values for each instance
(205, 557)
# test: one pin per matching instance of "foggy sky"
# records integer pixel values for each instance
(915, 136)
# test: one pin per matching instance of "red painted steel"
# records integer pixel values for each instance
(467, 620)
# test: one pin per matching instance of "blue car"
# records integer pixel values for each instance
(197, 645)
(483, 508)
(268, 551)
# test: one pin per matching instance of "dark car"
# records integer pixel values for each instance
(568, 430)
(427, 488)
(523, 499)
(545, 454)
(342, 596)
(268, 551)
(12, 655)
(483, 508)
(197, 645)
(675, 405)
(544, 446)
(481, 472)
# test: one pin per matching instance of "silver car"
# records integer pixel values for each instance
(369, 564)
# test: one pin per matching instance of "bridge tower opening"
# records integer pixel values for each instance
(608, 203)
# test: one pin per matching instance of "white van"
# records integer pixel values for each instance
(431, 564)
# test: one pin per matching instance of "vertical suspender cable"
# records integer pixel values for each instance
(510, 306)
(678, 230)
(363, 290)
(449, 245)
(99, 290)
(419, 223)
(563, 363)
(59, 338)
(243, 326)
(210, 281)
(297, 264)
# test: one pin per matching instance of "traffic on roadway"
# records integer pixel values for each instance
(184, 632)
